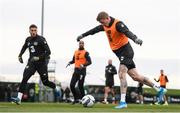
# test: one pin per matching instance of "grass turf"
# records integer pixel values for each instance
(65, 107)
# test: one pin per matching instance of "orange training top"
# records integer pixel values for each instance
(162, 80)
(115, 38)
(79, 58)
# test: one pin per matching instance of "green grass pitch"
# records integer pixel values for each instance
(65, 107)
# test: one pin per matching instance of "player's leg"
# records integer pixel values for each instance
(42, 70)
(28, 72)
(125, 55)
(113, 95)
(106, 91)
(137, 77)
(74, 79)
(165, 100)
(141, 98)
(81, 85)
(165, 97)
(122, 76)
(137, 98)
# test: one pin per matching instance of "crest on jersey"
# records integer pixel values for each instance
(35, 43)
(28, 43)
(45, 42)
(122, 25)
(27, 67)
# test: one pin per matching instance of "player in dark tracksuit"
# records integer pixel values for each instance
(110, 71)
(39, 53)
(81, 59)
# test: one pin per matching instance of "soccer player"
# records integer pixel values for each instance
(110, 71)
(118, 35)
(81, 59)
(39, 53)
(163, 79)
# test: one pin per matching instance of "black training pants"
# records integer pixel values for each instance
(78, 76)
(30, 69)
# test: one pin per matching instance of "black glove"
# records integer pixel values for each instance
(20, 59)
(138, 41)
(68, 65)
(35, 58)
(79, 38)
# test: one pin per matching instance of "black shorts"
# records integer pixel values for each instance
(109, 84)
(163, 86)
(40, 67)
(125, 55)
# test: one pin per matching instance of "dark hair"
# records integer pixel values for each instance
(102, 15)
(32, 26)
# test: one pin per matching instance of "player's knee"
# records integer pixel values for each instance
(133, 75)
(122, 77)
(122, 70)
(135, 78)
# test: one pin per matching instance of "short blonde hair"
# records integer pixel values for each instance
(102, 15)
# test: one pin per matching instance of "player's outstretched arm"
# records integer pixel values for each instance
(156, 80)
(91, 32)
(71, 62)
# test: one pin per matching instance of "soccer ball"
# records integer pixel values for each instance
(88, 101)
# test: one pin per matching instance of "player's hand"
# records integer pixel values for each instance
(155, 79)
(138, 41)
(35, 58)
(79, 38)
(68, 65)
(20, 59)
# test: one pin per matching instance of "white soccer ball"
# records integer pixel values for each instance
(88, 101)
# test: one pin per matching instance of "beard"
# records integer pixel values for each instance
(81, 48)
